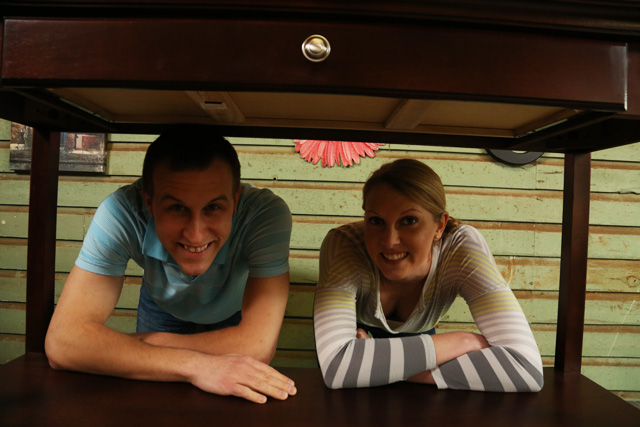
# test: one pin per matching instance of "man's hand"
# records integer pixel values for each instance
(241, 376)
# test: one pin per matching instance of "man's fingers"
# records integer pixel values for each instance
(277, 389)
(244, 377)
(273, 383)
(249, 394)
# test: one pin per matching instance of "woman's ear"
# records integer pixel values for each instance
(442, 224)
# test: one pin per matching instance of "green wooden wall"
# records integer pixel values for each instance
(518, 210)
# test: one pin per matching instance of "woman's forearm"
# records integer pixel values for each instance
(449, 346)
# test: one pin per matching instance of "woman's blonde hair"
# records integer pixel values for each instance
(416, 181)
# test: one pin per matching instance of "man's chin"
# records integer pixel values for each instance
(194, 270)
(194, 264)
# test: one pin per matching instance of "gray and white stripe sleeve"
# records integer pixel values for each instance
(348, 362)
(511, 364)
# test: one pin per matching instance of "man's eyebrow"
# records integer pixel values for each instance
(222, 197)
(170, 197)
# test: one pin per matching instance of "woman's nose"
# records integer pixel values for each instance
(391, 237)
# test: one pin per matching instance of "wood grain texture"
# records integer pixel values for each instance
(41, 48)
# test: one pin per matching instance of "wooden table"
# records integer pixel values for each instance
(32, 394)
(87, 65)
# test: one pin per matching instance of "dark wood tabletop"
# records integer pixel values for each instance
(32, 394)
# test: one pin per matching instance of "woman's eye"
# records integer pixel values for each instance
(374, 220)
(410, 220)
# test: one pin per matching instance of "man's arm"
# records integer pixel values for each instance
(263, 305)
(78, 340)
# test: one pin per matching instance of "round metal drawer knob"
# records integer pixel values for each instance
(316, 48)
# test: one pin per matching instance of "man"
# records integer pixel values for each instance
(215, 284)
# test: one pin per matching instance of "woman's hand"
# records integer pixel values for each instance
(422, 378)
(362, 334)
(451, 345)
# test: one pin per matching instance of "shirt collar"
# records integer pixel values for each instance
(152, 247)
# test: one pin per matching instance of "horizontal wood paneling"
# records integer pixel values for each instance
(521, 273)
(615, 309)
(505, 238)
(614, 174)
(478, 204)
(517, 209)
(297, 333)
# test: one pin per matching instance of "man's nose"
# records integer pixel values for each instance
(194, 230)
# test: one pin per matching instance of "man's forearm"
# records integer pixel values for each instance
(99, 350)
(231, 340)
(263, 307)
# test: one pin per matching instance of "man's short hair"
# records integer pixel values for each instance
(189, 148)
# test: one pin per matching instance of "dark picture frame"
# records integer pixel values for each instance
(79, 152)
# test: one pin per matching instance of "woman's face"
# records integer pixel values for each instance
(399, 234)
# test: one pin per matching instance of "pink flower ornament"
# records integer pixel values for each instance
(335, 152)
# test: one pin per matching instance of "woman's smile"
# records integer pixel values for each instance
(394, 256)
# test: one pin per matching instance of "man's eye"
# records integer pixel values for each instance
(176, 208)
(212, 208)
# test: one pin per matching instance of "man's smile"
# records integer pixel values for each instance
(194, 249)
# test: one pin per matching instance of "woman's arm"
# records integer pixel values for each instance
(347, 361)
(511, 364)
(504, 357)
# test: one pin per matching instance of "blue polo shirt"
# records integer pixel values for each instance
(258, 246)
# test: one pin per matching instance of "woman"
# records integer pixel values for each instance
(395, 274)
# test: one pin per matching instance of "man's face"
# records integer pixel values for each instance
(193, 213)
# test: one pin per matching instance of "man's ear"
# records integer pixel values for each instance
(236, 200)
(147, 202)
